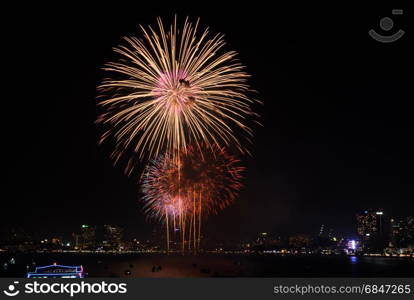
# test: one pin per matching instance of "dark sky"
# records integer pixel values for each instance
(337, 115)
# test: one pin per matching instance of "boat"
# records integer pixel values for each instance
(57, 271)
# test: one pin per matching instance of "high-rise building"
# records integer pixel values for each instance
(88, 237)
(76, 241)
(402, 232)
(370, 228)
(322, 230)
(113, 236)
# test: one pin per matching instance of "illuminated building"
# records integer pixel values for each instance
(369, 223)
(370, 228)
(57, 271)
(88, 237)
(402, 232)
(321, 230)
(352, 246)
(113, 237)
(76, 238)
(326, 232)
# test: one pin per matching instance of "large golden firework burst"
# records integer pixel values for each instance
(173, 88)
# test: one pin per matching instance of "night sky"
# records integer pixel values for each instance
(337, 116)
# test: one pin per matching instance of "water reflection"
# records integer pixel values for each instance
(353, 260)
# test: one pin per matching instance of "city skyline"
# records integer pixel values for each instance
(370, 227)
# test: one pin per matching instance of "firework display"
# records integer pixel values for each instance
(173, 88)
(176, 98)
(190, 188)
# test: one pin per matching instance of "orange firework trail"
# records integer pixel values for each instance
(173, 88)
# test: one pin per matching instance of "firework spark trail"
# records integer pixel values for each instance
(209, 181)
(171, 89)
